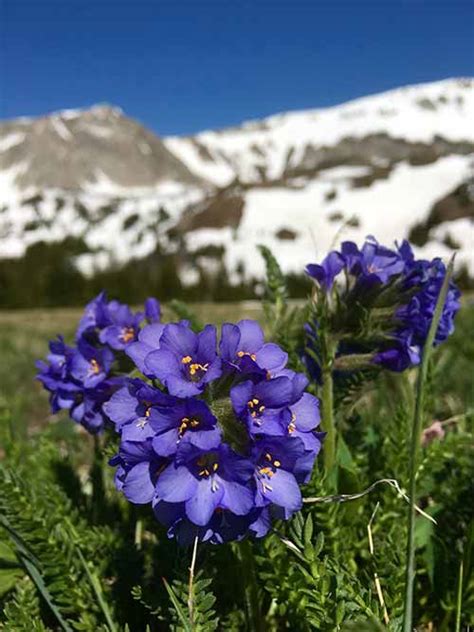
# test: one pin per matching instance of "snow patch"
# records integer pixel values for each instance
(11, 140)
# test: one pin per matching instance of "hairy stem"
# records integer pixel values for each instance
(414, 449)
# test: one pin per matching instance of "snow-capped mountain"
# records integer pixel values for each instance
(393, 165)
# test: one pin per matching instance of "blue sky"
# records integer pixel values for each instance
(188, 65)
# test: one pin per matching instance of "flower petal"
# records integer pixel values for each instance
(201, 506)
(271, 357)
(251, 336)
(176, 484)
(179, 339)
(138, 486)
(305, 413)
(240, 395)
(121, 407)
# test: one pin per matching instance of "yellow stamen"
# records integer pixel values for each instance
(186, 359)
(95, 366)
(276, 463)
(195, 367)
(128, 334)
(241, 354)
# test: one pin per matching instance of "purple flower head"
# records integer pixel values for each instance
(124, 326)
(386, 305)
(96, 316)
(243, 348)
(263, 406)
(374, 263)
(186, 421)
(327, 271)
(399, 354)
(113, 323)
(78, 384)
(138, 468)
(90, 365)
(275, 459)
(206, 481)
(148, 341)
(54, 372)
(87, 405)
(133, 409)
(185, 362)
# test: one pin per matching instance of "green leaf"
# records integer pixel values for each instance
(177, 606)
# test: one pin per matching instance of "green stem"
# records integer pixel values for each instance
(414, 449)
(459, 599)
(249, 580)
(327, 421)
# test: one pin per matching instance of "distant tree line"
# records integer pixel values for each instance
(47, 277)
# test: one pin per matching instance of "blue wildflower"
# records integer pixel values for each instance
(327, 271)
(185, 362)
(263, 406)
(243, 348)
(205, 481)
(394, 283)
(185, 421)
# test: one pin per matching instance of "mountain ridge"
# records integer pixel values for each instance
(396, 164)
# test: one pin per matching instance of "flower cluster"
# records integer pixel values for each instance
(394, 296)
(220, 437)
(82, 377)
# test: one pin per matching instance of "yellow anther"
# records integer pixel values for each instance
(215, 467)
(267, 471)
(186, 360)
(255, 401)
(261, 409)
(128, 334)
(195, 367)
(147, 412)
(268, 456)
(291, 427)
(241, 354)
(95, 366)
(276, 463)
